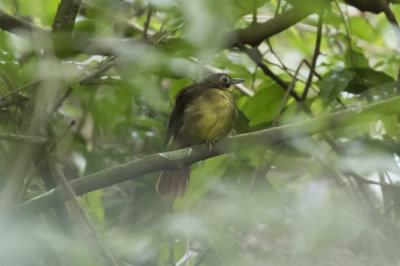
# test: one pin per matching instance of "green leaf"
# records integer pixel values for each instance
(355, 59)
(366, 78)
(264, 105)
(353, 80)
(176, 86)
(362, 29)
(333, 83)
(391, 126)
(244, 7)
(45, 10)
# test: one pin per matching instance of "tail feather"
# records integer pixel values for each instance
(172, 184)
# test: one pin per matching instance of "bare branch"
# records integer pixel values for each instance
(315, 56)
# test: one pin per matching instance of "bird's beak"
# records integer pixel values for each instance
(237, 81)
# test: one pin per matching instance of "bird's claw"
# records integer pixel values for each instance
(210, 143)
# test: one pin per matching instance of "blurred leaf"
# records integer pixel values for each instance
(264, 105)
(92, 205)
(366, 78)
(176, 86)
(335, 82)
(391, 126)
(43, 10)
(353, 80)
(244, 7)
(362, 29)
(355, 59)
(203, 178)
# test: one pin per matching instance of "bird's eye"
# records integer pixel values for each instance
(224, 79)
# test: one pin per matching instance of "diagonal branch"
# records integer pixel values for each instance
(177, 159)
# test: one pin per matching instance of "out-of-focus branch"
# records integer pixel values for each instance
(43, 106)
(62, 182)
(147, 22)
(177, 159)
(393, 22)
(21, 138)
(63, 26)
(17, 25)
(255, 33)
(66, 15)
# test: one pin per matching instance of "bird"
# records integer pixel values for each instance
(203, 113)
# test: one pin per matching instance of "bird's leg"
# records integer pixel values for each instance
(210, 143)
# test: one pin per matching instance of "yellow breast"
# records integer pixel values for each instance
(208, 117)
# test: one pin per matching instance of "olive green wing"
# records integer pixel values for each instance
(182, 100)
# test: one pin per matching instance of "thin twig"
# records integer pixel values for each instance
(25, 87)
(315, 56)
(276, 150)
(369, 182)
(284, 85)
(286, 96)
(92, 76)
(32, 140)
(398, 82)
(54, 143)
(28, 180)
(347, 33)
(284, 67)
(315, 72)
(255, 55)
(60, 101)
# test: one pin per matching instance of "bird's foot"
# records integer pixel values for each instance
(210, 143)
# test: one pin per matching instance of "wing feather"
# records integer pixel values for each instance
(182, 100)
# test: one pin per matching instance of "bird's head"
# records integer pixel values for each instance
(220, 81)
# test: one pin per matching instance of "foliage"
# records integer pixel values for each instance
(101, 96)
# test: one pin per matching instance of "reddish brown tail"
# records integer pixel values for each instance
(172, 184)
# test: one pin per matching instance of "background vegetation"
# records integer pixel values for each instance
(86, 90)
